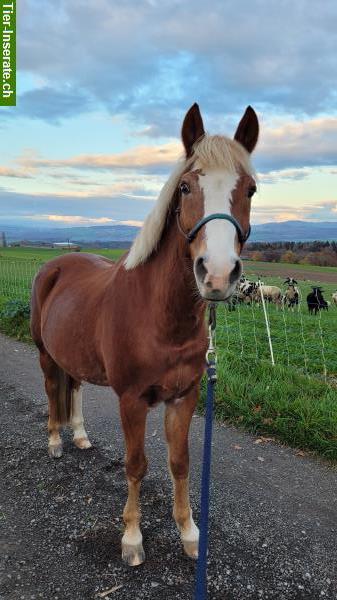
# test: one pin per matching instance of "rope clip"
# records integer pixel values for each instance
(211, 357)
(211, 351)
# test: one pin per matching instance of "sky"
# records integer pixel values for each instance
(103, 87)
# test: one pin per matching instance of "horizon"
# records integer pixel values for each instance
(95, 132)
(60, 225)
(119, 233)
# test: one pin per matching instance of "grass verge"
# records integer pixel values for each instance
(14, 325)
(298, 410)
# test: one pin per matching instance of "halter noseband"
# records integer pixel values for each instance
(191, 235)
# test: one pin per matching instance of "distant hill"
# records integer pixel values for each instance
(296, 231)
(83, 235)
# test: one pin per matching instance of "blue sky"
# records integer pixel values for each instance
(103, 87)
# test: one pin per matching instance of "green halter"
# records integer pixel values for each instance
(191, 235)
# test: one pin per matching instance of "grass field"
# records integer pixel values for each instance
(296, 400)
(302, 272)
(300, 340)
(276, 401)
(19, 265)
(257, 266)
(44, 254)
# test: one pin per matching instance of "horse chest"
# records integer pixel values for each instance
(175, 378)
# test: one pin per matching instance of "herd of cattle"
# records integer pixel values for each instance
(249, 292)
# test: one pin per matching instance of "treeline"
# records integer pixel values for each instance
(323, 254)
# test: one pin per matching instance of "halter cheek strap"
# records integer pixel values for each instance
(191, 235)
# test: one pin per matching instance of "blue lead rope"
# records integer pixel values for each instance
(201, 575)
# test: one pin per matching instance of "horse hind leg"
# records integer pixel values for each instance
(133, 414)
(58, 389)
(80, 438)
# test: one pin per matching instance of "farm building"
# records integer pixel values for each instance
(67, 246)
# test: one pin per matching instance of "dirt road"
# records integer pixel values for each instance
(273, 516)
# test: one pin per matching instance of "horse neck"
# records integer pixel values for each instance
(175, 300)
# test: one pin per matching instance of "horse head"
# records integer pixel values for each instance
(214, 199)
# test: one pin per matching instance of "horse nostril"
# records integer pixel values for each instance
(235, 274)
(200, 268)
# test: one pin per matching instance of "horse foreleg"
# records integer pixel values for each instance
(133, 414)
(80, 438)
(177, 422)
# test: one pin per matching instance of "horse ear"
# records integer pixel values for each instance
(248, 130)
(192, 129)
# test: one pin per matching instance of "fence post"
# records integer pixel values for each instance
(267, 324)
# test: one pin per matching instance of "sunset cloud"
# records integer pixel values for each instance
(321, 211)
(74, 219)
(137, 158)
(16, 173)
(291, 148)
(83, 220)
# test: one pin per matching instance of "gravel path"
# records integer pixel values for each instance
(273, 516)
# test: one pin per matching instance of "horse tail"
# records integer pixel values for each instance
(63, 396)
(59, 386)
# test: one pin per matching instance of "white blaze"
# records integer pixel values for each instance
(220, 235)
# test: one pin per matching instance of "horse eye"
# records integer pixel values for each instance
(251, 191)
(184, 188)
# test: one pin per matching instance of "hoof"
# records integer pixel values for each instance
(133, 555)
(191, 549)
(83, 443)
(55, 451)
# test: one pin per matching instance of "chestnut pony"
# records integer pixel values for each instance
(138, 325)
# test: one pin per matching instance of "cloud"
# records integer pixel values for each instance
(73, 219)
(132, 223)
(284, 175)
(22, 207)
(152, 60)
(78, 220)
(52, 104)
(298, 144)
(288, 148)
(16, 173)
(152, 131)
(321, 211)
(137, 158)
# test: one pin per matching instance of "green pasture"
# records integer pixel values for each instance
(276, 401)
(259, 267)
(19, 265)
(44, 254)
(300, 340)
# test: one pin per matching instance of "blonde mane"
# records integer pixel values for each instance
(212, 151)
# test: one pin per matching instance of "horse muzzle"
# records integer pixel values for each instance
(213, 285)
